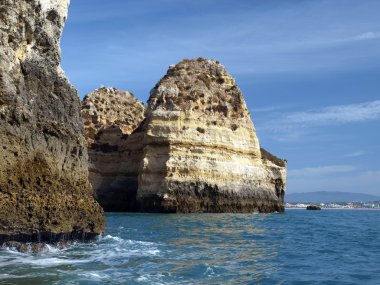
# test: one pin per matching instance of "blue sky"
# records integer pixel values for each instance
(309, 70)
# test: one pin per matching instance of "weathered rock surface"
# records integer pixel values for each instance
(201, 152)
(196, 150)
(45, 194)
(111, 118)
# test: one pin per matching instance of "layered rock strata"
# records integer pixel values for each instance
(111, 118)
(201, 151)
(45, 194)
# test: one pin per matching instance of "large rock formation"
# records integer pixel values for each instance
(196, 150)
(111, 118)
(201, 152)
(45, 194)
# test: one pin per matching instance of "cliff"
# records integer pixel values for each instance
(201, 151)
(111, 118)
(45, 194)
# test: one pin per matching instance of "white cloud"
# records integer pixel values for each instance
(356, 153)
(321, 170)
(256, 39)
(292, 126)
(339, 114)
(366, 36)
(270, 109)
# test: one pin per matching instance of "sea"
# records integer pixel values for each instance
(295, 247)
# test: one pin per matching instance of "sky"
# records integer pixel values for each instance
(309, 71)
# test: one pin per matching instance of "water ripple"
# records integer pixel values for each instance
(298, 247)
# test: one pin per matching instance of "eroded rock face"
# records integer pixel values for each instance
(45, 194)
(111, 118)
(201, 152)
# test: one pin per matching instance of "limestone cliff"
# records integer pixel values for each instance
(45, 194)
(201, 152)
(111, 118)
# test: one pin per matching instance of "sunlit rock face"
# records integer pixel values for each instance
(111, 118)
(45, 194)
(193, 149)
(201, 152)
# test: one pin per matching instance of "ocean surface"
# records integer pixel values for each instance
(297, 247)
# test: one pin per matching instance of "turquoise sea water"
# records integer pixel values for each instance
(298, 247)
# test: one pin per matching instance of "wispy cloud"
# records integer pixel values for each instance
(356, 153)
(365, 36)
(270, 109)
(321, 170)
(287, 127)
(101, 38)
(294, 125)
(339, 114)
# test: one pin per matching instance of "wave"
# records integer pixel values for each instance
(107, 250)
(28, 249)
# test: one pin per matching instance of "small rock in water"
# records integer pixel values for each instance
(26, 247)
(34, 247)
(313, 207)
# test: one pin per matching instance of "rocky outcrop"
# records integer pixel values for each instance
(111, 118)
(313, 208)
(201, 151)
(45, 194)
(196, 150)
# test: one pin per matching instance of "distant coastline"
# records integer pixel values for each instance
(356, 209)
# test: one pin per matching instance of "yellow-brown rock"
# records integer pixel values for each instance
(201, 151)
(111, 118)
(45, 195)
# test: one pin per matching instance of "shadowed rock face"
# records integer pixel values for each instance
(201, 152)
(111, 118)
(45, 194)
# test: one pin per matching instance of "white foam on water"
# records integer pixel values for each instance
(145, 243)
(50, 261)
(46, 250)
(109, 250)
(142, 278)
(109, 237)
(53, 249)
(153, 252)
(5, 276)
(12, 250)
(9, 276)
(209, 271)
(96, 276)
(152, 279)
(50, 258)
